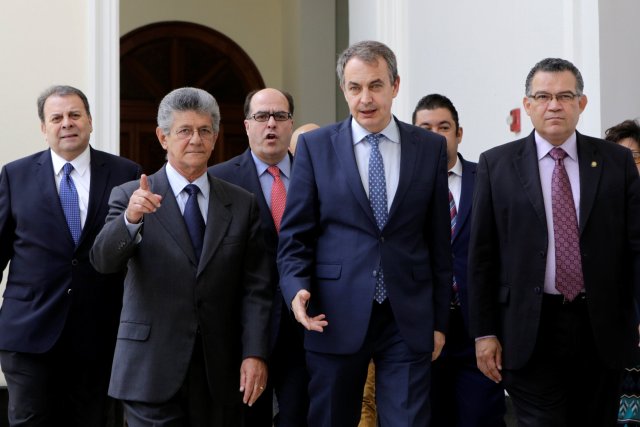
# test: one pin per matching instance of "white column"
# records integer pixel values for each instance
(103, 60)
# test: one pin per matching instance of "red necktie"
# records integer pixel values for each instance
(278, 196)
(569, 280)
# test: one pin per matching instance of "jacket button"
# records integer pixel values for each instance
(536, 290)
(74, 262)
(69, 291)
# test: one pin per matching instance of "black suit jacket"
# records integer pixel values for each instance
(508, 247)
(51, 285)
(241, 171)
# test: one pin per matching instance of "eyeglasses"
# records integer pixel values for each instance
(263, 116)
(187, 133)
(562, 97)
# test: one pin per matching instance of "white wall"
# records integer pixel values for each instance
(479, 55)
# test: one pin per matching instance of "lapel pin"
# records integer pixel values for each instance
(594, 164)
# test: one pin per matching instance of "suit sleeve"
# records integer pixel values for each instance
(7, 224)
(483, 280)
(439, 237)
(114, 245)
(298, 230)
(258, 292)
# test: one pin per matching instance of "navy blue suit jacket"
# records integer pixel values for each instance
(51, 284)
(460, 238)
(241, 171)
(330, 243)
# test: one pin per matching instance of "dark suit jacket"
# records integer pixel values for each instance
(508, 247)
(241, 171)
(330, 243)
(460, 238)
(169, 296)
(51, 284)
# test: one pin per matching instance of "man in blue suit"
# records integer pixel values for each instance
(364, 255)
(59, 316)
(269, 124)
(461, 395)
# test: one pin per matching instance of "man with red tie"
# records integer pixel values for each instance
(264, 169)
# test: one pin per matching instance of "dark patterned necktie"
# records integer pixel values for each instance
(569, 279)
(453, 213)
(70, 203)
(378, 201)
(193, 219)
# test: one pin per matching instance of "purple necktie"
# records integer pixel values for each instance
(569, 280)
(453, 213)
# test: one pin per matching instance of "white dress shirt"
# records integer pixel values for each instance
(81, 176)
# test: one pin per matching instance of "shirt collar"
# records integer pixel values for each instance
(457, 168)
(570, 146)
(391, 132)
(80, 164)
(284, 165)
(178, 182)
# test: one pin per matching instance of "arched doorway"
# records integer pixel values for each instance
(160, 57)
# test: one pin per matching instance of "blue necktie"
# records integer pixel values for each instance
(70, 203)
(193, 219)
(378, 200)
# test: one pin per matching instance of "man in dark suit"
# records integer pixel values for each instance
(554, 260)
(194, 323)
(59, 316)
(364, 253)
(269, 124)
(461, 395)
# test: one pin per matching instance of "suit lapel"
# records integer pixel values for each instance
(218, 220)
(408, 158)
(343, 147)
(99, 178)
(169, 215)
(528, 172)
(466, 195)
(46, 181)
(590, 164)
(251, 182)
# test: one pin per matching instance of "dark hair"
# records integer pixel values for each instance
(433, 101)
(368, 51)
(247, 100)
(554, 65)
(60, 90)
(626, 129)
(187, 99)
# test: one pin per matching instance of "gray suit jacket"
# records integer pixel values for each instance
(169, 296)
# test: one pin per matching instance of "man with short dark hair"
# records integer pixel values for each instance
(264, 169)
(554, 259)
(364, 254)
(59, 316)
(195, 314)
(461, 396)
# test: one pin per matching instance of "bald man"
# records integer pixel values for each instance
(264, 169)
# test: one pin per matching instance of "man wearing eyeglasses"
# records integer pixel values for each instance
(193, 335)
(264, 170)
(554, 260)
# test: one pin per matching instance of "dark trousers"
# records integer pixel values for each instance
(192, 406)
(461, 395)
(402, 379)
(565, 383)
(56, 388)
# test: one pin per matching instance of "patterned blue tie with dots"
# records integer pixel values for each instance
(70, 203)
(378, 200)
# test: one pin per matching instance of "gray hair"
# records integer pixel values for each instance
(60, 90)
(187, 99)
(368, 51)
(554, 65)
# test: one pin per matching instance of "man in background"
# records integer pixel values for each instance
(264, 169)
(59, 316)
(461, 395)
